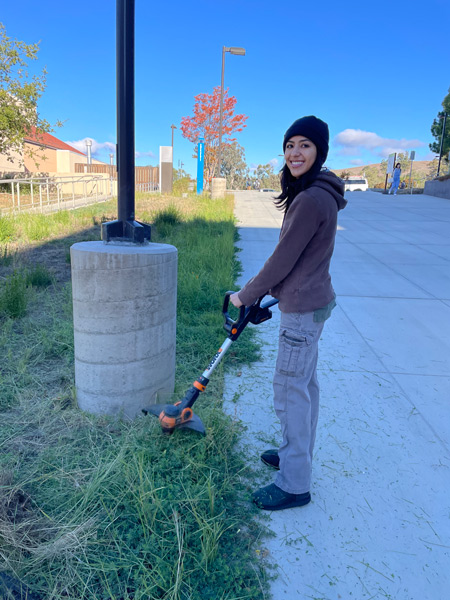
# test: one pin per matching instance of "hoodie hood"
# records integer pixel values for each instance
(331, 183)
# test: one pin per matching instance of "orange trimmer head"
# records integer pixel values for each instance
(174, 416)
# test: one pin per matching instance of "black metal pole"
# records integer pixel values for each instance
(442, 144)
(125, 109)
(125, 228)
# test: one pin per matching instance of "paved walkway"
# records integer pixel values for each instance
(378, 525)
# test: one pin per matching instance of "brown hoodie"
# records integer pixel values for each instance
(297, 273)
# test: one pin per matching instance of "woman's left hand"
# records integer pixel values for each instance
(235, 300)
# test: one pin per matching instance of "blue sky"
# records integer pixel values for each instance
(376, 72)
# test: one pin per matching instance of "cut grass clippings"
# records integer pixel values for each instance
(93, 508)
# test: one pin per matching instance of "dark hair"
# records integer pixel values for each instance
(398, 165)
(291, 186)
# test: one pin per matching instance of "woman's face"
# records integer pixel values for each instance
(300, 155)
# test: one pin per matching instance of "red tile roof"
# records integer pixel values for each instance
(49, 141)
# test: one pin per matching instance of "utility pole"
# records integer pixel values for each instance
(442, 143)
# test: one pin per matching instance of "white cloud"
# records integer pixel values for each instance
(274, 162)
(357, 162)
(353, 141)
(348, 151)
(141, 154)
(96, 148)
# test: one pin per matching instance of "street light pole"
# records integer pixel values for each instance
(442, 143)
(238, 52)
(125, 228)
(172, 128)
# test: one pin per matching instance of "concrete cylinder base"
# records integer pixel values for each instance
(124, 314)
(218, 187)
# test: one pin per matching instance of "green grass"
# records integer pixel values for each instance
(39, 276)
(93, 508)
(7, 229)
(14, 295)
(6, 258)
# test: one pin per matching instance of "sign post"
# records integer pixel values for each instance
(412, 156)
(390, 168)
(200, 161)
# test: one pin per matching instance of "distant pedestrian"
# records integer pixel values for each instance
(395, 179)
(298, 275)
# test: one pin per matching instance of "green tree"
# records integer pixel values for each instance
(181, 182)
(266, 177)
(19, 94)
(344, 174)
(432, 169)
(437, 126)
(179, 174)
(384, 165)
(233, 167)
(372, 175)
(405, 163)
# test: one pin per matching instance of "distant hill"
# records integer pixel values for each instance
(420, 172)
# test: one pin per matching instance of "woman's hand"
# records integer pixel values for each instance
(235, 300)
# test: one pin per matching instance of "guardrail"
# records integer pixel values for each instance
(49, 194)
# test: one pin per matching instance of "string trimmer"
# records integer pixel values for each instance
(180, 415)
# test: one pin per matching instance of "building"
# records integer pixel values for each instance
(44, 153)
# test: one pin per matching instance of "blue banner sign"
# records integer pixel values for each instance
(200, 161)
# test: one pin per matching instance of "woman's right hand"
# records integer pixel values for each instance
(235, 300)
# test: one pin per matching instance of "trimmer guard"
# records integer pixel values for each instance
(196, 424)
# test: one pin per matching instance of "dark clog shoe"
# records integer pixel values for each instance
(272, 497)
(271, 458)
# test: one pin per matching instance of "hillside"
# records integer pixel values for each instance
(376, 175)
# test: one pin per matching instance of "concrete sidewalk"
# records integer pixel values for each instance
(378, 525)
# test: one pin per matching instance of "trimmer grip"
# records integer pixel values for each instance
(229, 323)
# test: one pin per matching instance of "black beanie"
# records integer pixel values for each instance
(312, 128)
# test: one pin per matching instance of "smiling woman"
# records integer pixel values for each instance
(297, 274)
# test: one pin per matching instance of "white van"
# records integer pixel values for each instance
(356, 183)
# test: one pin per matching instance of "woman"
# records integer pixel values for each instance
(396, 179)
(297, 274)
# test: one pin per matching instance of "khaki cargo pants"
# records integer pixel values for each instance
(296, 398)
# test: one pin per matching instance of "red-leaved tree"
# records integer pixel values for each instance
(205, 123)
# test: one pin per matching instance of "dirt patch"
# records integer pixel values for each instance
(54, 255)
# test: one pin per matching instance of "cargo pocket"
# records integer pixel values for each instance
(292, 352)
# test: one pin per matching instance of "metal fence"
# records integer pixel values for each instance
(48, 194)
(146, 178)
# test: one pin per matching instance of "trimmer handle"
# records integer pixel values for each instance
(255, 314)
(229, 323)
